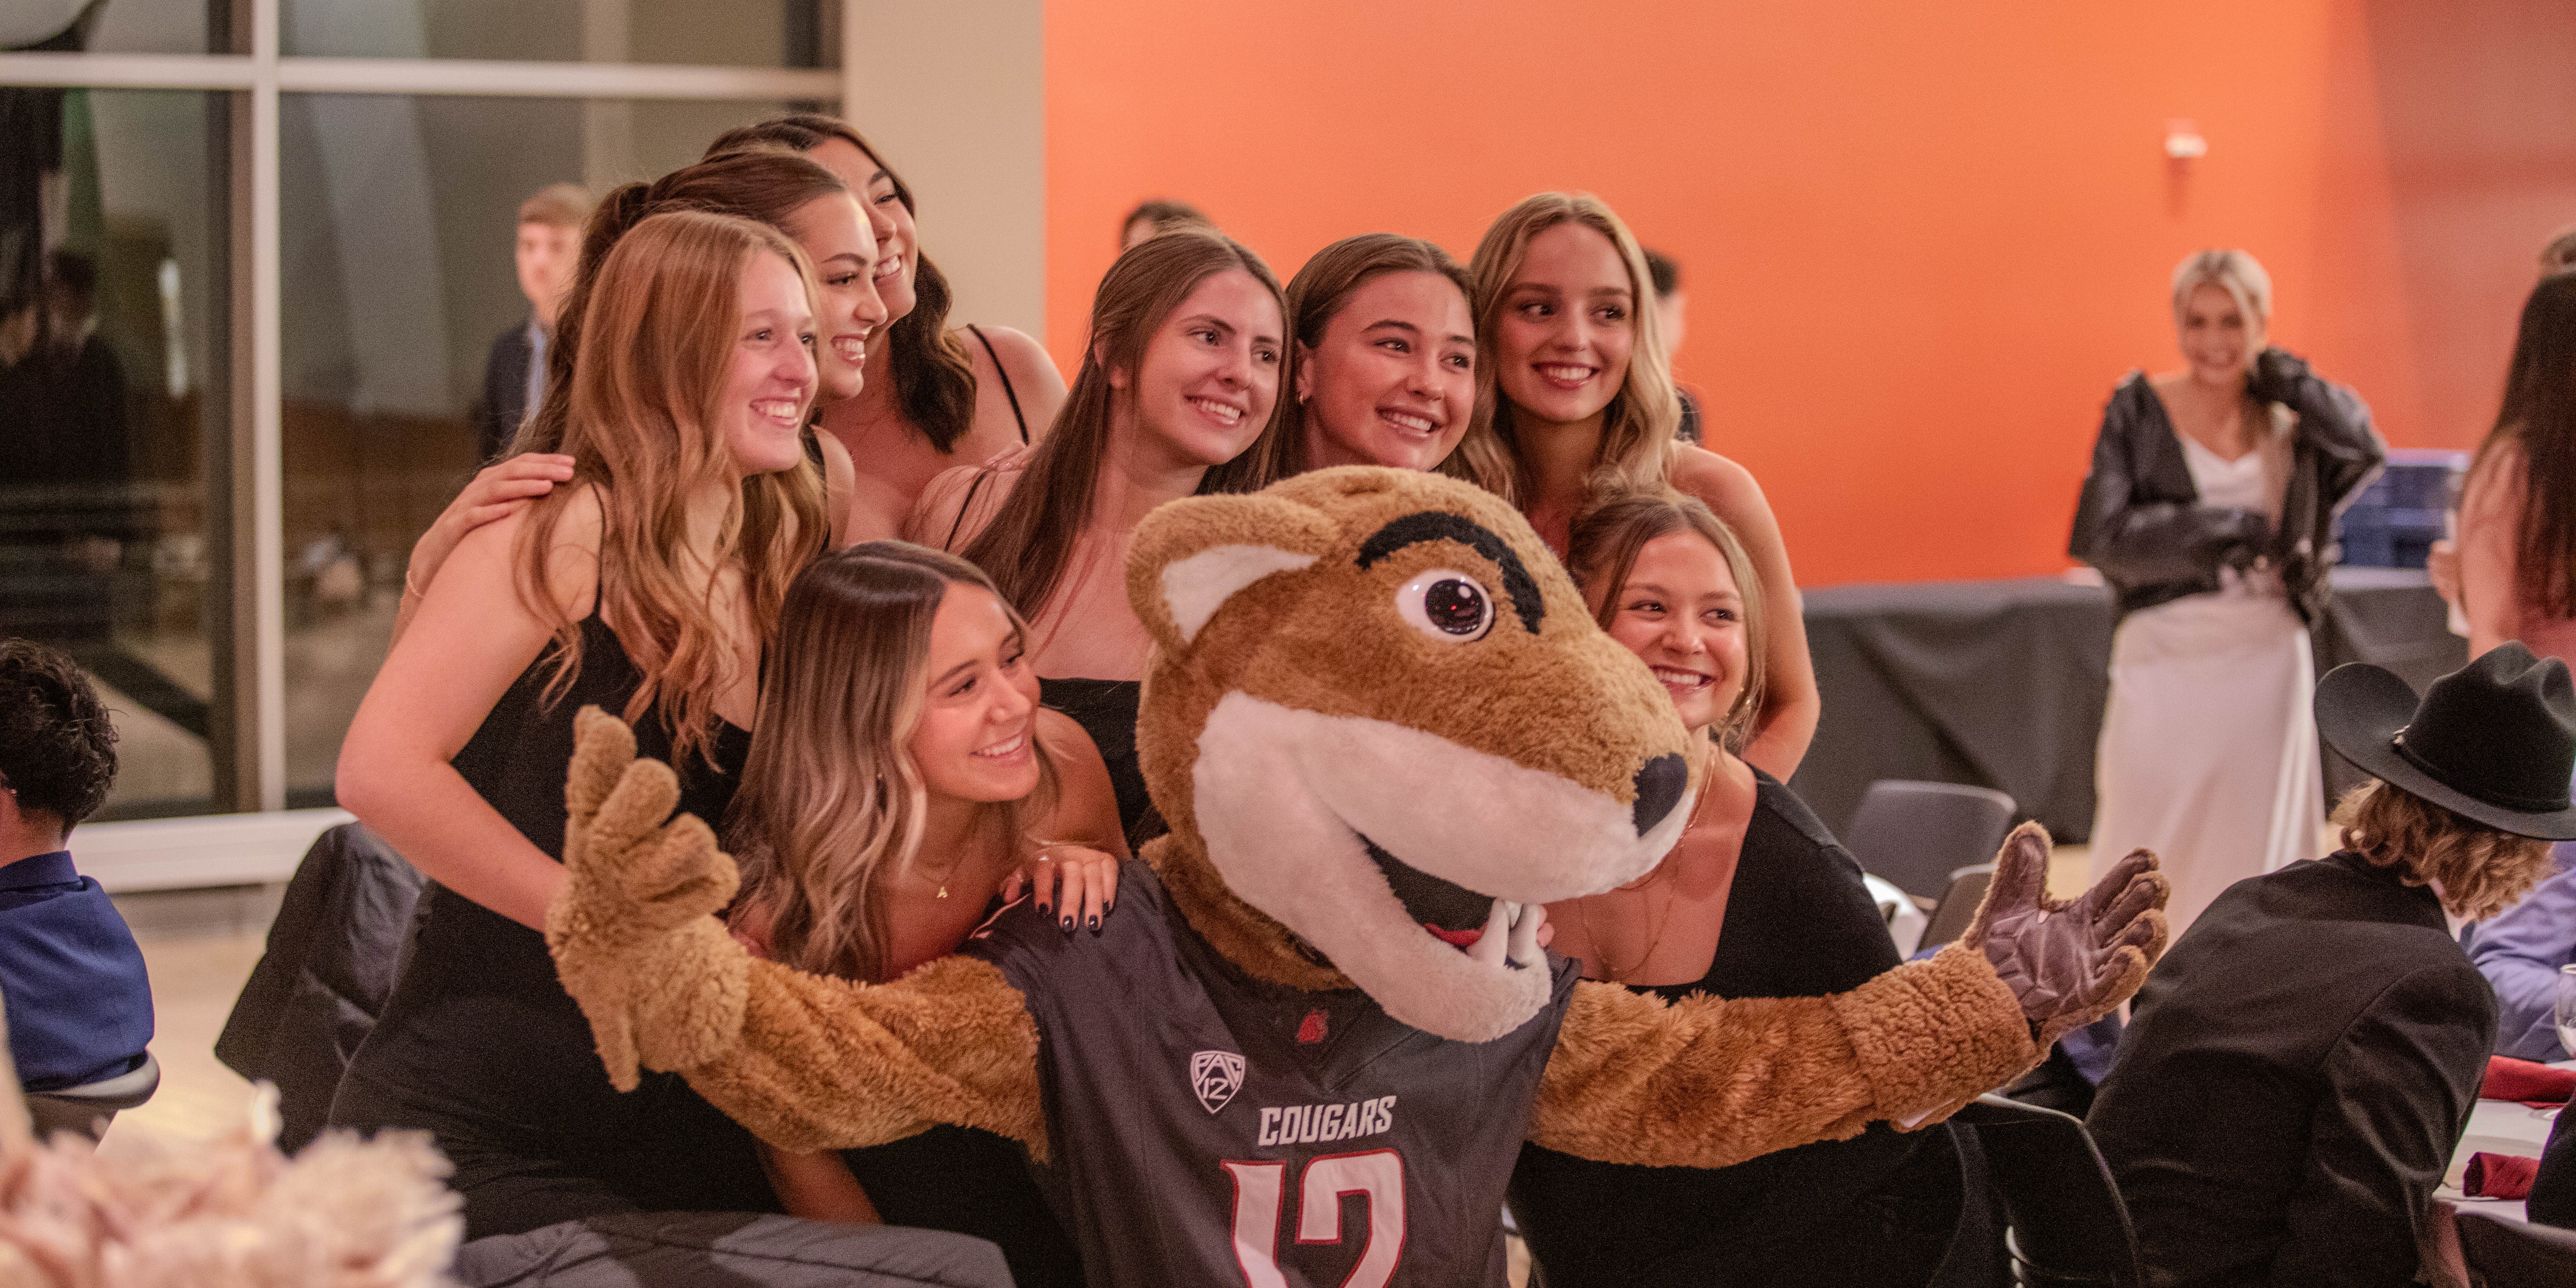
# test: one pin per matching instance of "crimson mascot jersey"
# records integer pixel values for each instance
(1207, 1128)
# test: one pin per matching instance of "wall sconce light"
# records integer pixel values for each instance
(2183, 142)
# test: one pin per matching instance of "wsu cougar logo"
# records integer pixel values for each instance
(1216, 1076)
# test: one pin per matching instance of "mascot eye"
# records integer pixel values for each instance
(1446, 605)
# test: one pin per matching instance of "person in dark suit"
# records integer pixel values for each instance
(2302, 1063)
(2552, 1200)
(514, 375)
(79, 1004)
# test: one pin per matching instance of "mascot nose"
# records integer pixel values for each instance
(1659, 787)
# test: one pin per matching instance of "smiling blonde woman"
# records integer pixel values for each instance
(2210, 510)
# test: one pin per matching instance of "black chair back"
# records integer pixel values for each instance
(86, 1110)
(333, 954)
(1916, 834)
(1958, 906)
(2505, 1253)
(2067, 1225)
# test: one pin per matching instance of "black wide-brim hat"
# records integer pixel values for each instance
(2494, 741)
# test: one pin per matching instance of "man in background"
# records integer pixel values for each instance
(2560, 254)
(1672, 306)
(1154, 218)
(79, 1006)
(514, 377)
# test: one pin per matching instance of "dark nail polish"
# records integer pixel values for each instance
(1068, 925)
(1095, 924)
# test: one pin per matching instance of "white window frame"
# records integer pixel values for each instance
(263, 74)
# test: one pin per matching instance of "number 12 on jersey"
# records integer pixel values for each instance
(1259, 1189)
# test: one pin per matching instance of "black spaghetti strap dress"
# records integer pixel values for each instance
(1005, 374)
(482, 1047)
(1875, 1211)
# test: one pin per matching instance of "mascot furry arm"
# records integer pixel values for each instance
(1379, 720)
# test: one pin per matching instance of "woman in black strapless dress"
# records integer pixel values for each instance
(1179, 378)
(458, 755)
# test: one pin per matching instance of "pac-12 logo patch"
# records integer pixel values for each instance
(1216, 1076)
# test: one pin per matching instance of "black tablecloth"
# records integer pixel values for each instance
(2001, 683)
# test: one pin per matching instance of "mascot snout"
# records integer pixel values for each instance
(1437, 741)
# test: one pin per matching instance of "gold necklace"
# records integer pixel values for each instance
(953, 864)
(1656, 927)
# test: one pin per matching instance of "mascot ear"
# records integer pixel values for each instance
(1190, 556)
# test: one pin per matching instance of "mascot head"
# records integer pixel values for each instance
(1383, 727)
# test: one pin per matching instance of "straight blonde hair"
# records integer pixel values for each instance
(642, 421)
(1637, 428)
(1601, 551)
(832, 805)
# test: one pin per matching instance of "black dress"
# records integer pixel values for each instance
(1876, 1209)
(1107, 709)
(482, 1047)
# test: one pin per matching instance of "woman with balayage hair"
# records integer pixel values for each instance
(938, 396)
(1180, 376)
(648, 586)
(903, 775)
(1576, 404)
(1756, 899)
(790, 193)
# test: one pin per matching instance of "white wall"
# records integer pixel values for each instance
(954, 93)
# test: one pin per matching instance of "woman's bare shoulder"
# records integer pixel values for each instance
(958, 501)
(1063, 736)
(1724, 485)
(1022, 356)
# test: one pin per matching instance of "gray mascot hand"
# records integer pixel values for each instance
(2069, 963)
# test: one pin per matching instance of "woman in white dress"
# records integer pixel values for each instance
(2210, 511)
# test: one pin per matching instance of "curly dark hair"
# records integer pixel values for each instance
(57, 748)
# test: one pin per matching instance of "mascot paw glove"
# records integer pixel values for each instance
(632, 931)
(2069, 963)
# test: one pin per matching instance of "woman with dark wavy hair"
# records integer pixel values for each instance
(937, 396)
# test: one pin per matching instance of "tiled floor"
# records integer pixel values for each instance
(199, 947)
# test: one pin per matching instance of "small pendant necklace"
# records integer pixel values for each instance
(942, 879)
(1655, 925)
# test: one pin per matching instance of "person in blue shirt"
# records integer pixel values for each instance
(2520, 952)
(79, 1006)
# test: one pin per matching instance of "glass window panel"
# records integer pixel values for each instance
(111, 395)
(399, 218)
(744, 33)
(111, 27)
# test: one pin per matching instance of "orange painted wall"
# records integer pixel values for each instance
(1922, 241)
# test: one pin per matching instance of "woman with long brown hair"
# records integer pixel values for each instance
(1382, 370)
(1755, 900)
(902, 774)
(937, 396)
(1181, 375)
(649, 587)
(789, 193)
(1576, 403)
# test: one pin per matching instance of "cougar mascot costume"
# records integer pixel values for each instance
(1307, 1046)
